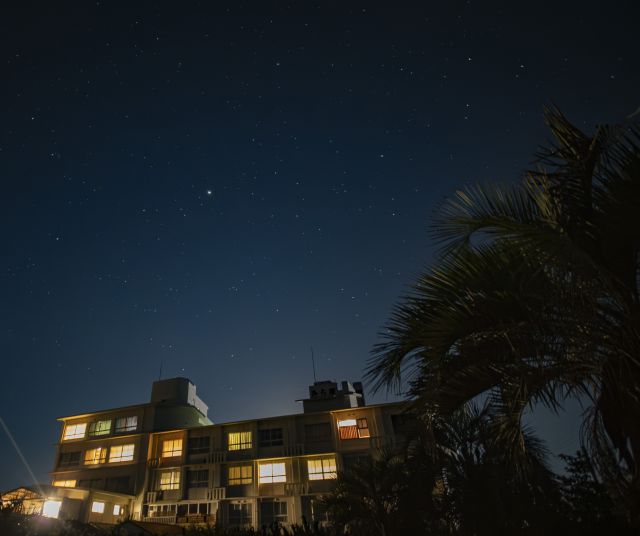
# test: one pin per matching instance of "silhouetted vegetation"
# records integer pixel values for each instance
(534, 298)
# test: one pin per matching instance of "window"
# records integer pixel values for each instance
(273, 511)
(353, 428)
(64, 483)
(97, 507)
(117, 510)
(69, 459)
(170, 480)
(271, 437)
(318, 432)
(120, 484)
(198, 445)
(100, 428)
(271, 473)
(74, 431)
(51, 509)
(91, 483)
(198, 479)
(241, 474)
(121, 453)
(126, 424)
(171, 447)
(322, 468)
(95, 456)
(363, 428)
(349, 461)
(239, 440)
(239, 514)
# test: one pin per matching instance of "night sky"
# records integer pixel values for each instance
(217, 189)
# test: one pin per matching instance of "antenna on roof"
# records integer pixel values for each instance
(313, 363)
(160, 375)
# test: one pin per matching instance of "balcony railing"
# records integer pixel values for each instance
(193, 519)
(216, 494)
(295, 449)
(218, 456)
(169, 519)
(296, 488)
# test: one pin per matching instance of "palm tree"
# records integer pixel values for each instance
(535, 298)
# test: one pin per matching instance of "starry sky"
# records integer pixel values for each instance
(216, 187)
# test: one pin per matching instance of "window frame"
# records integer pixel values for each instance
(272, 477)
(245, 516)
(122, 458)
(278, 517)
(198, 482)
(327, 470)
(172, 452)
(266, 439)
(66, 483)
(241, 479)
(97, 507)
(315, 427)
(242, 442)
(172, 483)
(62, 462)
(194, 445)
(67, 436)
(95, 460)
(118, 429)
(97, 429)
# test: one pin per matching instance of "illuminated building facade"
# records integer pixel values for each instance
(166, 462)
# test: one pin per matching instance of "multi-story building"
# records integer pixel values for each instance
(166, 462)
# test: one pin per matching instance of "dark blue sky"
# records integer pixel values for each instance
(220, 189)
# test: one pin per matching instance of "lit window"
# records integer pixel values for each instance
(126, 424)
(170, 480)
(64, 483)
(100, 428)
(117, 509)
(51, 508)
(97, 507)
(239, 440)
(353, 429)
(95, 456)
(171, 447)
(121, 453)
(271, 473)
(241, 474)
(322, 468)
(74, 431)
